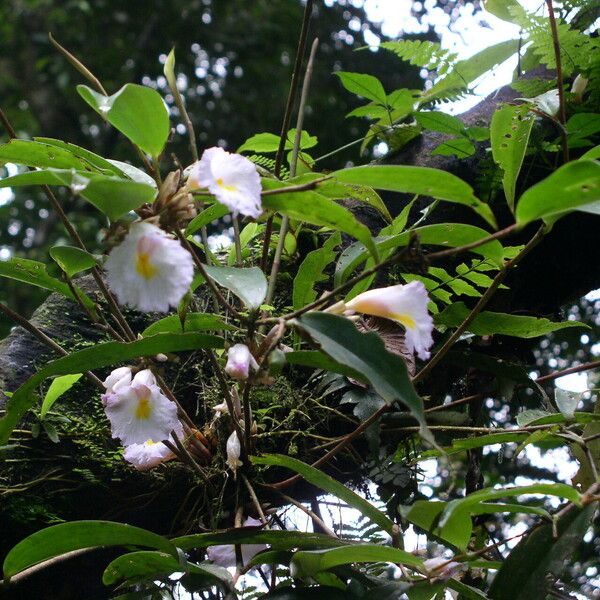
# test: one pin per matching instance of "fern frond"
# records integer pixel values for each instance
(577, 50)
(268, 164)
(529, 88)
(421, 53)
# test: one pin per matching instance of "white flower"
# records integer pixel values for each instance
(232, 178)
(405, 304)
(118, 378)
(224, 554)
(149, 270)
(147, 455)
(579, 85)
(234, 450)
(441, 568)
(140, 412)
(239, 362)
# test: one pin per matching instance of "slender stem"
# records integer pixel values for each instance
(247, 415)
(316, 519)
(40, 335)
(171, 396)
(562, 115)
(7, 125)
(293, 163)
(311, 185)
(237, 241)
(287, 117)
(255, 501)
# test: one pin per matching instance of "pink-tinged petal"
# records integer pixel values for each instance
(239, 362)
(149, 270)
(147, 455)
(118, 378)
(144, 377)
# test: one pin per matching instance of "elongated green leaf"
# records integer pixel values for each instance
(249, 285)
(509, 131)
(309, 562)
(364, 85)
(466, 592)
(468, 70)
(366, 353)
(72, 260)
(454, 522)
(33, 273)
(439, 121)
(488, 323)
(592, 154)
(193, 322)
(524, 574)
(43, 155)
(111, 195)
(320, 360)
(316, 209)
(277, 539)
(138, 112)
(311, 270)
(57, 388)
(146, 564)
(448, 235)
(213, 212)
(100, 355)
(65, 537)
(95, 161)
(573, 186)
(424, 181)
(328, 484)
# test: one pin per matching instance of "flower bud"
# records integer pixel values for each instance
(234, 449)
(239, 362)
(579, 85)
(118, 378)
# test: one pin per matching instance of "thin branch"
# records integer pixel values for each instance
(311, 185)
(287, 117)
(255, 501)
(316, 519)
(562, 114)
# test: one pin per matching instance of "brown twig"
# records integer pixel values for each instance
(562, 114)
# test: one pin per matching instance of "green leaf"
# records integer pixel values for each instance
(366, 353)
(248, 233)
(439, 121)
(57, 388)
(138, 112)
(145, 564)
(208, 215)
(100, 355)
(249, 285)
(328, 484)
(34, 273)
(95, 161)
(468, 70)
(316, 209)
(524, 573)
(269, 142)
(193, 322)
(310, 272)
(573, 186)
(277, 539)
(424, 181)
(488, 323)
(72, 260)
(111, 195)
(133, 173)
(43, 155)
(320, 360)
(449, 235)
(466, 592)
(363, 85)
(455, 520)
(593, 153)
(509, 131)
(66, 537)
(307, 563)
(500, 8)
(459, 147)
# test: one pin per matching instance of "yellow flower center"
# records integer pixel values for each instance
(143, 409)
(144, 266)
(229, 188)
(405, 320)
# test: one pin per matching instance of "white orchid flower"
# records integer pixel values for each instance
(149, 270)
(140, 412)
(405, 304)
(240, 361)
(232, 178)
(147, 455)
